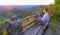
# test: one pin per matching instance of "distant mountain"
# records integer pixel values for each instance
(19, 6)
(21, 11)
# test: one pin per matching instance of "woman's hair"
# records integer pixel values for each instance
(46, 9)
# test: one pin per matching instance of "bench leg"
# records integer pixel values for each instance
(45, 29)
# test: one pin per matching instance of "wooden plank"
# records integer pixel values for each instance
(5, 32)
(33, 30)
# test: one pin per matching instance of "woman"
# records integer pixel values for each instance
(45, 19)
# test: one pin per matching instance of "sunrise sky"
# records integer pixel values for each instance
(8, 4)
(26, 2)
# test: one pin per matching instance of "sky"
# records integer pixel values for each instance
(8, 4)
(26, 2)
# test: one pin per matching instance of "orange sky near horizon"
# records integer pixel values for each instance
(7, 6)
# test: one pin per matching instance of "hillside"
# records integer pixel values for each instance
(19, 11)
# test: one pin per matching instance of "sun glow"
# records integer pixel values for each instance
(7, 6)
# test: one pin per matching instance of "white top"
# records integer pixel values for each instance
(45, 18)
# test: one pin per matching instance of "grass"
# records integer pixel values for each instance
(54, 26)
(2, 22)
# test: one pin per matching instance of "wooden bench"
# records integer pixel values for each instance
(42, 29)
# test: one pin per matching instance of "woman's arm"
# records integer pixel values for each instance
(41, 20)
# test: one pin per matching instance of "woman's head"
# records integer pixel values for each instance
(45, 10)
